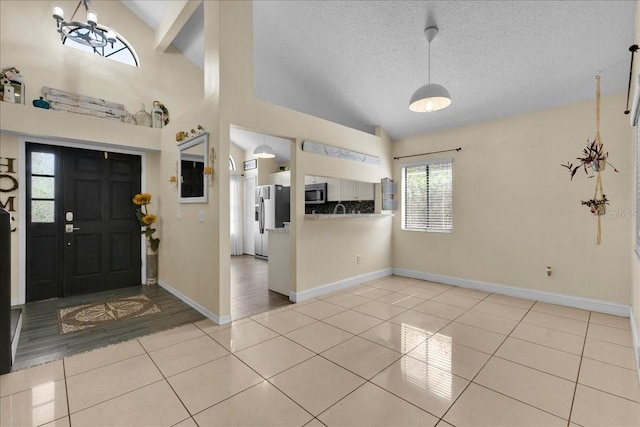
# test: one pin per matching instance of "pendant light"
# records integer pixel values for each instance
(432, 96)
(264, 151)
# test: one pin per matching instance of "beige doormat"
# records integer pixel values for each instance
(91, 315)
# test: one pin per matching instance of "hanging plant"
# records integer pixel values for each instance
(593, 157)
(597, 206)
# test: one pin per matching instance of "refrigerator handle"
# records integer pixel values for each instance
(261, 215)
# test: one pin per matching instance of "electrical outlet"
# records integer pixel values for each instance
(358, 259)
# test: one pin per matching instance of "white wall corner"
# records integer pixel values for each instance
(548, 297)
(337, 286)
(211, 316)
(636, 340)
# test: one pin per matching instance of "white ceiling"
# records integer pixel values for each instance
(358, 62)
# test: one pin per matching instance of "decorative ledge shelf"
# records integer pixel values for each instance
(27, 120)
(349, 216)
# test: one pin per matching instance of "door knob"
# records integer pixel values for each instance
(69, 228)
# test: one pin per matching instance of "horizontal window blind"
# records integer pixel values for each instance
(428, 196)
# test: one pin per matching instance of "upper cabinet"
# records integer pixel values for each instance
(356, 190)
(311, 179)
(281, 178)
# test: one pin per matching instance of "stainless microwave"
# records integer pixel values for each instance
(315, 194)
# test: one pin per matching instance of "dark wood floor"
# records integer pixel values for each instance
(249, 291)
(41, 341)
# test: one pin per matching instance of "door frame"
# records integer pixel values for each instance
(22, 194)
(248, 213)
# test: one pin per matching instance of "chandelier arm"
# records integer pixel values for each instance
(78, 7)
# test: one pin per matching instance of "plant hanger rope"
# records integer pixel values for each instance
(599, 191)
(594, 159)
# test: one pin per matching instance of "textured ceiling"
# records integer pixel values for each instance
(358, 62)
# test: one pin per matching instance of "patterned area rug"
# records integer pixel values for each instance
(91, 315)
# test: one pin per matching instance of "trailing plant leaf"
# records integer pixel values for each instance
(592, 153)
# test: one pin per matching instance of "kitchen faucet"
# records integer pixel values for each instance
(335, 210)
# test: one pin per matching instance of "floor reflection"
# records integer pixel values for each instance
(433, 371)
(43, 403)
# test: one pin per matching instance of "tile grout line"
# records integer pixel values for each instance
(66, 390)
(575, 389)
(483, 366)
(164, 378)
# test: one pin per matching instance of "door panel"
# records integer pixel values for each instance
(106, 236)
(98, 248)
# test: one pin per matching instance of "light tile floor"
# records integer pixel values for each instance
(393, 352)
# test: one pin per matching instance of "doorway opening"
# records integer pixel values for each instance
(260, 201)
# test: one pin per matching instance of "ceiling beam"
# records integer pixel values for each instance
(176, 16)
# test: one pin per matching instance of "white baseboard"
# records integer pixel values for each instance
(548, 297)
(219, 320)
(337, 286)
(636, 340)
(16, 338)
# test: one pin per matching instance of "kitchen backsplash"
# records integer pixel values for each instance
(361, 206)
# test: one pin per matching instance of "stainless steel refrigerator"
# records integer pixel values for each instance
(272, 211)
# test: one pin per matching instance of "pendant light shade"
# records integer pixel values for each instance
(263, 151)
(432, 96)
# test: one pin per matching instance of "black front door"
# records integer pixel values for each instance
(82, 235)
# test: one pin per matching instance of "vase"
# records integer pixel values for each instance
(142, 117)
(152, 266)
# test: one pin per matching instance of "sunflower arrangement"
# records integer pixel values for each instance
(146, 219)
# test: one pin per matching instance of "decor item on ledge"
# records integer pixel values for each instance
(594, 160)
(430, 97)
(128, 119)
(142, 117)
(146, 220)
(11, 86)
(159, 115)
(61, 100)
(40, 103)
(87, 33)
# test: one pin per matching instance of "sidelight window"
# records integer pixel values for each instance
(43, 184)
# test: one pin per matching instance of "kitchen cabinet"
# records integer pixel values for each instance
(311, 179)
(281, 178)
(333, 189)
(356, 190)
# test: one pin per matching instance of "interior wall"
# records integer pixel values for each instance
(635, 258)
(314, 245)
(29, 42)
(515, 210)
(9, 200)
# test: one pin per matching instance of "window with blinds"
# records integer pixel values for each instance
(428, 196)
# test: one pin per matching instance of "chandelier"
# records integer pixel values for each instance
(86, 33)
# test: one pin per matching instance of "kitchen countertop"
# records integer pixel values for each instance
(279, 230)
(351, 216)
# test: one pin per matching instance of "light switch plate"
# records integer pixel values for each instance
(201, 216)
(178, 214)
